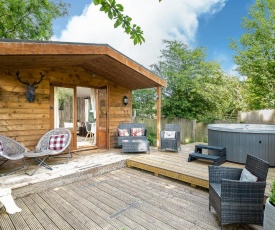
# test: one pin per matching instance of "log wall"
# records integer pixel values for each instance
(118, 112)
(27, 121)
(20, 119)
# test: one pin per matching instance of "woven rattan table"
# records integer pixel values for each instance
(135, 146)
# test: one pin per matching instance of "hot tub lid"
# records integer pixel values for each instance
(243, 128)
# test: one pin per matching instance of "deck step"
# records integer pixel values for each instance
(198, 148)
(204, 156)
(217, 160)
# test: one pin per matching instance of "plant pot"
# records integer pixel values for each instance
(269, 216)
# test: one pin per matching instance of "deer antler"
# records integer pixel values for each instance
(36, 83)
(19, 78)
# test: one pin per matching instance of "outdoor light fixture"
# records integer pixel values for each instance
(125, 100)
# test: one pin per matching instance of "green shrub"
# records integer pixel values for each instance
(152, 136)
(272, 194)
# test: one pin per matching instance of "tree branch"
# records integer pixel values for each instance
(114, 12)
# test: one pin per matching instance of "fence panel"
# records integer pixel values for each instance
(190, 130)
(266, 116)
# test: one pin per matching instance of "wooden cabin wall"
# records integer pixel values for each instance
(118, 112)
(27, 121)
(20, 119)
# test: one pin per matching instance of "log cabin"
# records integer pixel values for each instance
(107, 76)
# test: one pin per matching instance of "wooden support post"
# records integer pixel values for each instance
(158, 115)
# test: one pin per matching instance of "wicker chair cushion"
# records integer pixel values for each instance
(57, 142)
(248, 176)
(137, 131)
(1, 149)
(169, 134)
(123, 133)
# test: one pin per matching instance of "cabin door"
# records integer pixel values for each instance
(102, 118)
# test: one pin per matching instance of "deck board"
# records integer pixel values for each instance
(38, 212)
(49, 211)
(18, 221)
(139, 215)
(176, 166)
(116, 198)
(112, 205)
(158, 197)
(62, 210)
(105, 209)
(28, 217)
(106, 202)
(5, 221)
(82, 197)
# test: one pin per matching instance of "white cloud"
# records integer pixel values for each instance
(169, 19)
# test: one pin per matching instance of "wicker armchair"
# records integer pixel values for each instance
(235, 201)
(48, 147)
(11, 150)
(170, 143)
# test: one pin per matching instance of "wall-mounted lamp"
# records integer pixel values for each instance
(125, 100)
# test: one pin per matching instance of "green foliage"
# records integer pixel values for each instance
(115, 12)
(64, 95)
(32, 19)
(144, 103)
(196, 89)
(91, 117)
(272, 193)
(255, 55)
(151, 136)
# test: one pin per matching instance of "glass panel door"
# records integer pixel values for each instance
(64, 111)
(64, 108)
(102, 117)
(86, 117)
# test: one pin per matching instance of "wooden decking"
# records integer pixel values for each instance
(176, 166)
(124, 199)
(96, 191)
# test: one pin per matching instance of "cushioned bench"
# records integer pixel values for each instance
(129, 132)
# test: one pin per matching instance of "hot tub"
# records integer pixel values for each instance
(243, 139)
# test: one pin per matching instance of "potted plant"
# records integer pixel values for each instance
(269, 214)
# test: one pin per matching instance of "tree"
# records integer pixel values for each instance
(32, 19)
(115, 12)
(256, 55)
(144, 103)
(196, 89)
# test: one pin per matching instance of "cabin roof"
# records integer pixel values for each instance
(100, 59)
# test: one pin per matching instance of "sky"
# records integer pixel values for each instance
(197, 23)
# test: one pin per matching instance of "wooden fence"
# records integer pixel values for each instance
(191, 131)
(266, 116)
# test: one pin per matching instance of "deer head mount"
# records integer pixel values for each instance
(30, 94)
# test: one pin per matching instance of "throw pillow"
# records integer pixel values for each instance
(57, 142)
(137, 131)
(169, 134)
(123, 133)
(248, 176)
(1, 149)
